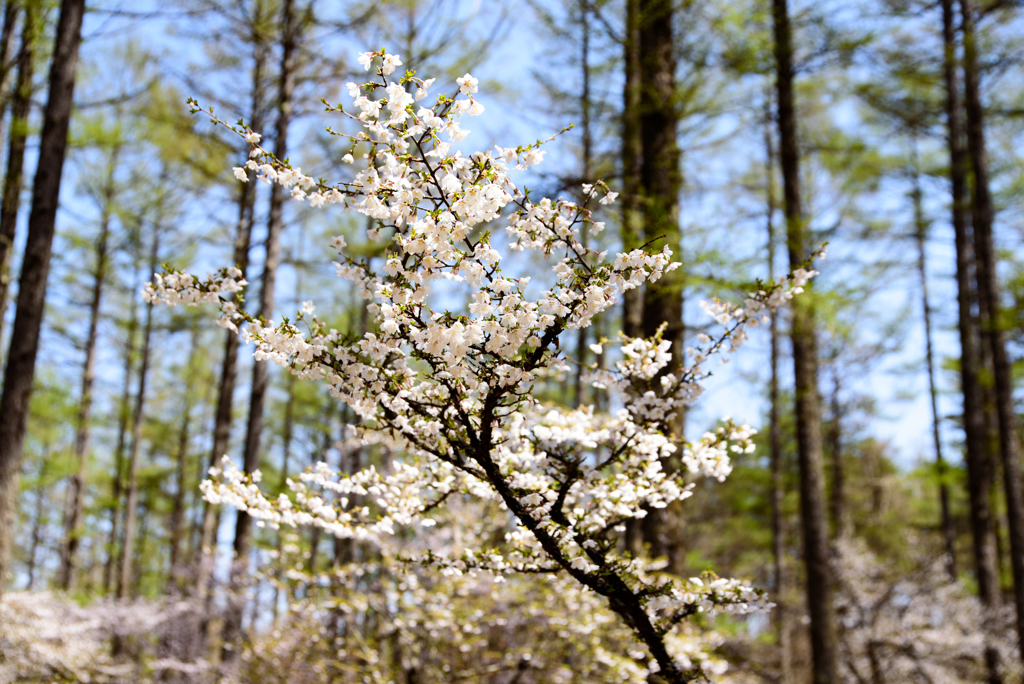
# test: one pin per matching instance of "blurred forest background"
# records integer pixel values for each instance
(890, 129)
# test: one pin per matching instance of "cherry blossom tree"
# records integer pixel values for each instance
(452, 388)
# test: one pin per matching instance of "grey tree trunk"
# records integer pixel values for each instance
(978, 475)
(805, 365)
(251, 457)
(76, 486)
(21, 103)
(35, 267)
(124, 583)
(988, 290)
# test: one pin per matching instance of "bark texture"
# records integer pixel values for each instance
(989, 293)
(805, 365)
(978, 470)
(28, 320)
(20, 107)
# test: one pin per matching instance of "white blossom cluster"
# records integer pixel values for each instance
(454, 390)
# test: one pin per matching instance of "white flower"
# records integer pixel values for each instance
(240, 174)
(365, 59)
(252, 137)
(467, 84)
(391, 62)
(307, 307)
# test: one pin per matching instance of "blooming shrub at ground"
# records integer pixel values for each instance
(453, 389)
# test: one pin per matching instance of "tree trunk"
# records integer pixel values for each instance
(35, 267)
(988, 290)
(978, 476)
(581, 334)
(835, 440)
(660, 183)
(251, 458)
(941, 471)
(124, 415)
(229, 366)
(37, 528)
(632, 150)
(6, 32)
(21, 104)
(124, 583)
(805, 366)
(176, 575)
(775, 430)
(76, 485)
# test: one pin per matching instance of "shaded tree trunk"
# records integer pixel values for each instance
(124, 415)
(6, 32)
(176, 574)
(124, 583)
(805, 365)
(251, 457)
(978, 476)
(632, 151)
(37, 527)
(775, 429)
(229, 365)
(76, 485)
(581, 334)
(988, 291)
(660, 183)
(21, 104)
(35, 267)
(941, 470)
(835, 440)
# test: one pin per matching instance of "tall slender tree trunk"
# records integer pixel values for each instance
(775, 429)
(123, 418)
(176, 574)
(76, 486)
(632, 151)
(941, 470)
(6, 33)
(37, 527)
(805, 366)
(229, 366)
(251, 458)
(124, 583)
(978, 475)
(988, 290)
(581, 334)
(35, 267)
(21, 103)
(835, 440)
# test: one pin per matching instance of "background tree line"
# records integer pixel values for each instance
(744, 135)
